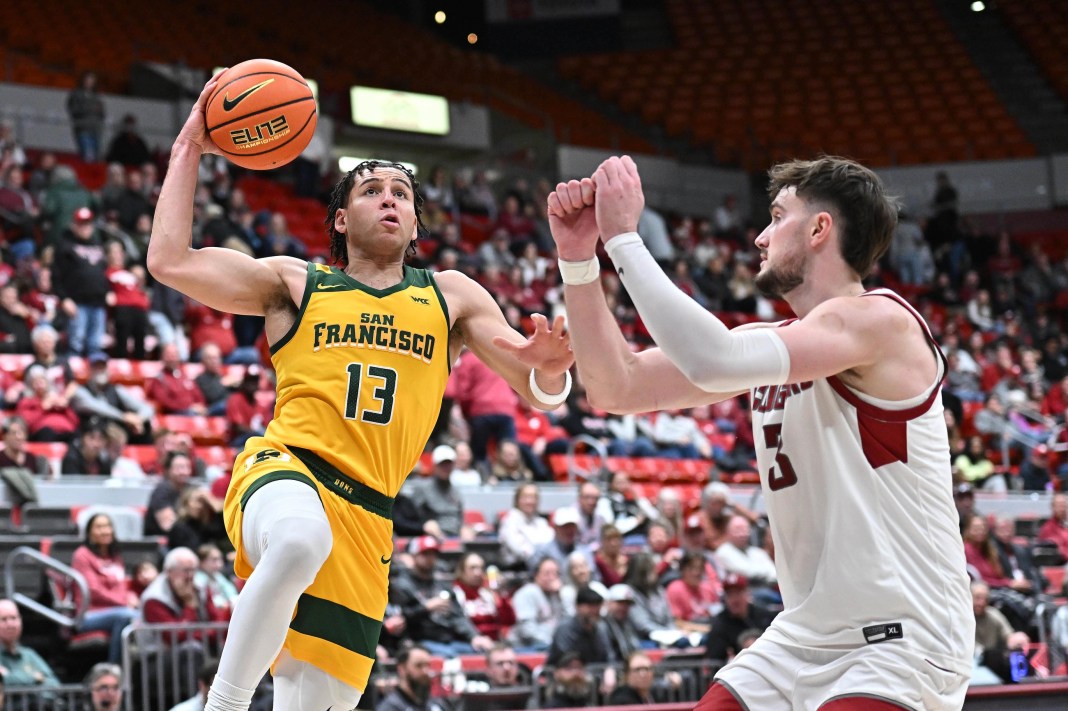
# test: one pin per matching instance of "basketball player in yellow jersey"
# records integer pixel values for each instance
(362, 353)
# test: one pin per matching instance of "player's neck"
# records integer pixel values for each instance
(822, 283)
(376, 272)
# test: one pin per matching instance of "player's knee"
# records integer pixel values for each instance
(301, 547)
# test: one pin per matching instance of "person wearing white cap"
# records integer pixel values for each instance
(436, 499)
(565, 541)
(623, 635)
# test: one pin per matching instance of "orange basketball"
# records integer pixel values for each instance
(261, 114)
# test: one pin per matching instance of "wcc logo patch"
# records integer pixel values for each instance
(420, 300)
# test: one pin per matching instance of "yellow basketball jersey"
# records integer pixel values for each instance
(361, 374)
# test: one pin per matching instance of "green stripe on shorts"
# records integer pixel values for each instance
(336, 623)
(277, 476)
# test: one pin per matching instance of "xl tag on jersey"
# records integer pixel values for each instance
(882, 633)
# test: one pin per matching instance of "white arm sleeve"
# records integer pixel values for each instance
(707, 352)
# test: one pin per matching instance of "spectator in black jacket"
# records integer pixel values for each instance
(414, 685)
(127, 147)
(81, 281)
(585, 635)
(101, 398)
(15, 321)
(435, 617)
(213, 381)
(89, 454)
(738, 615)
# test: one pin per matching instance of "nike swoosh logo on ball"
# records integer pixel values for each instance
(385, 560)
(229, 104)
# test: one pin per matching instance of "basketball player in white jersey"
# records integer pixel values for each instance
(852, 447)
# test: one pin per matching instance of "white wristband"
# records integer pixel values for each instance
(544, 397)
(579, 273)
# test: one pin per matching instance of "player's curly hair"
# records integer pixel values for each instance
(339, 198)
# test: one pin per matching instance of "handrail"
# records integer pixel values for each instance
(28, 602)
(573, 468)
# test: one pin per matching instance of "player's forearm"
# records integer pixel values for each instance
(601, 353)
(172, 226)
(707, 353)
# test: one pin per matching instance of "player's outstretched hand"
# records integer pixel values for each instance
(572, 220)
(620, 200)
(548, 349)
(195, 131)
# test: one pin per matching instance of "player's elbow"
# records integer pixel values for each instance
(611, 400)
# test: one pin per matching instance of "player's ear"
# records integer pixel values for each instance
(822, 222)
(340, 219)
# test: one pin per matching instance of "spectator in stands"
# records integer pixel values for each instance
(623, 634)
(1055, 529)
(728, 219)
(279, 241)
(994, 640)
(162, 510)
(122, 465)
(592, 513)
(716, 512)
(502, 671)
(508, 464)
(523, 529)
(738, 615)
(85, 107)
(414, 685)
(1015, 559)
(584, 633)
(610, 560)
(650, 612)
(974, 466)
(640, 686)
(739, 556)
(580, 574)
(694, 599)
(18, 467)
(632, 436)
(132, 203)
(214, 382)
(167, 315)
(210, 577)
(436, 618)
(572, 685)
(102, 399)
(173, 597)
(112, 605)
(486, 400)
(62, 199)
(463, 472)
(631, 513)
(205, 676)
(45, 338)
(88, 455)
(247, 416)
(564, 541)
(199, 521)
(20, 665)
(437, 500)
(437, 189)
(983, 561)
(538, 608)
(113, 187)
(128, 148)
(489, 612)
(16, 318)
(105, 687)
(1034, 472)
(129, 303)
(46, 411)
(172, 391)
(81, 281)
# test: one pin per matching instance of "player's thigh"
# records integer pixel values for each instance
(761, 677)
(286, 507)
(300, 686)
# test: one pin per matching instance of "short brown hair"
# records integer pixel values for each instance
(867, 215)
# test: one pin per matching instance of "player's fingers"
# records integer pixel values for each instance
(554, 205)
(631, 168)
(540, 324)
(574, 193)
(588, 190)
(558, 325)
(601, 177)
(505, 345)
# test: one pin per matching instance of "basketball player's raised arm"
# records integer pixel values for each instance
(839, 335)
(479, 321)
(223, 279)
(616, 379)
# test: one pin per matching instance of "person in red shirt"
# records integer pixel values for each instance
(173, 597)
(112, 605)
(207, 325)
(129, 303)
(247, 417)
(172, 391)
(1056, 528)
(489, 612)
(487, 401)
(47, 414)
(692, 598)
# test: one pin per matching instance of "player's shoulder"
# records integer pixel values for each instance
(462, 294)
(287, 267)
(871, 311)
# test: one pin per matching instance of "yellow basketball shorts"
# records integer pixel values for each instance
(338, 619)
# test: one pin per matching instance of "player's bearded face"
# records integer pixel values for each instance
(785, 275)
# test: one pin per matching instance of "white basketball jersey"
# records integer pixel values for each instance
(859, 497)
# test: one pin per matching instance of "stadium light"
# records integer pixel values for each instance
(472, 38)
(978, 6)
(439, 17)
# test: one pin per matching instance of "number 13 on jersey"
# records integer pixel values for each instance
(384, 381)
(782, 474)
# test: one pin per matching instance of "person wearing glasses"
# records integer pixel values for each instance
(638, 686)
(105, 687)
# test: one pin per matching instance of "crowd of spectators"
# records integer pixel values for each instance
(623, 571)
